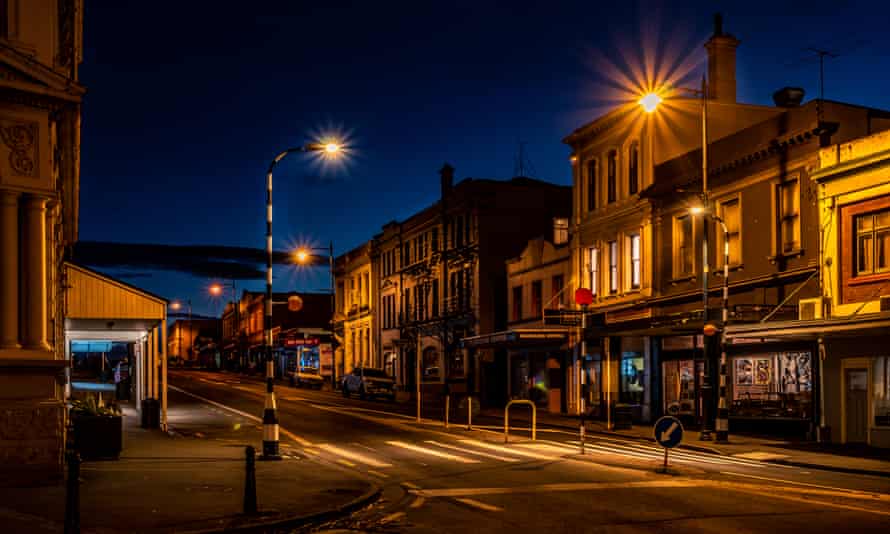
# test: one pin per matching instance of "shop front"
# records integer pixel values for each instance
(682, 369)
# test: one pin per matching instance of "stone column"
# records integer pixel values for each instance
(155, 368)
(34, 275)
(149, 365)
(9, 270)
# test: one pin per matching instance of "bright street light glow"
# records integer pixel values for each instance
(650, 102)
(301, 255)
(331, 148)
(216, 289)
(176, 305)
(696, 210)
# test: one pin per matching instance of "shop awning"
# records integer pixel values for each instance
(835, 327)
(518, 337)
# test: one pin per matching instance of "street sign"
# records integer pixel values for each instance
(297, 342)
(562, 317)
(668, 432)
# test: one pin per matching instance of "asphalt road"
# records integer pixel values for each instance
(438, 480)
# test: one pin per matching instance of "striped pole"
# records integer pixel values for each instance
(270, 415)
(722, 423)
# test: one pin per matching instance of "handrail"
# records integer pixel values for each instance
(507, 418)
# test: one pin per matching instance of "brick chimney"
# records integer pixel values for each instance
(721, 64)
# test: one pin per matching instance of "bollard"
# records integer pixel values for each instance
(470, 412)
(250, 481)
(447, 408)
(72, 494)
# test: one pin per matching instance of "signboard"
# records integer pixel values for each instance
(562, 317)
(326, 359)
(298, 342)
(668, 432)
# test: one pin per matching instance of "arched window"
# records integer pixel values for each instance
(611, 171)
(633, 169)
(591, 184)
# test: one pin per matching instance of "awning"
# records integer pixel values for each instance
(835, 327)
(518, 337)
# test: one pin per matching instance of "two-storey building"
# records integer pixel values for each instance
(354, 317)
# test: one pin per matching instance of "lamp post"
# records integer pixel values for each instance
(650, 102)
(270, 417)
(216, 290)
(302, 256)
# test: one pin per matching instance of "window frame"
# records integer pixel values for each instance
(614, 261)
(611, 176)
(781, 218)
(721, 212)
(873, 233)
(633, 168)
(591, 180)
(634, 265)
(537, 298)
(593, 269)
(678, 241)
(516, 313)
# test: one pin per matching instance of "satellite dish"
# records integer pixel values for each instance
(294, 303)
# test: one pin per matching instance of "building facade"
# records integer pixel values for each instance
(40, 106)
(354, 319)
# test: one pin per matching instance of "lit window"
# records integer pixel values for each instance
(873, 243)
(613, 266)
(730, 212)
(633, 169)
(788, 205)
(633, 242)
(593, 269)
(612, 176)
(560, 231)
(591, 184)
(684, 250)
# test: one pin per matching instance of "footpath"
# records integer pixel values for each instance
(190, 479)
(832, 457)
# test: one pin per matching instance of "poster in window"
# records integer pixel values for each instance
(788, 372)
(804, 371)
(762, 372)
(744, 373)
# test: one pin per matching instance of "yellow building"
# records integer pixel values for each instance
(40, 105)
(353, 317)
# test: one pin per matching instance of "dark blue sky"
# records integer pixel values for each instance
(188, 101)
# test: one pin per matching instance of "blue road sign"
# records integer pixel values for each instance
(668, 432)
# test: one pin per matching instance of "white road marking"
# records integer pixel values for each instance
(291, 435)
(377, 473)
(760, 455)
(357, 456)
(431, 452)
(395, 516)
(852, 492)
(417, 503)
(410, 485)
(478, 504)
(567, 486)
(347, 463)
(470, 451)
(507, 450)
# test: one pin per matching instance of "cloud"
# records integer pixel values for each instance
(206, 261)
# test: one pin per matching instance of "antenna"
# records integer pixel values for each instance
(523, 164)
(822, 55)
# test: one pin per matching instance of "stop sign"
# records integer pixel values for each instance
(583, 296)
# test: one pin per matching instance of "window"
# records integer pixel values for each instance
(613, 266)
(881, 391)
(730, 213)
(435, 299)
(430, 364)
(684, 246)
(873, 243)
(560, 231)
(611, 176)
(633, 169)
(537, 298)
(593, 269)
(459, 231)
(633, 246)
(591, 184)
(517, 303)
(789, 216)
(434, 240)
(556, 287)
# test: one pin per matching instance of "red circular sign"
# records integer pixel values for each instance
(710, 329)
(583, 296)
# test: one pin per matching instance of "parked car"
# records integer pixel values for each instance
(306, 377)
(369, 382)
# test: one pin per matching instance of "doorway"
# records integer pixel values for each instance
(856, 405)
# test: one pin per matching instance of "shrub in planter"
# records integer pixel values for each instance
(98, 430)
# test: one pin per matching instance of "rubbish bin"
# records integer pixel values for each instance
(151, 413)
(622, 417)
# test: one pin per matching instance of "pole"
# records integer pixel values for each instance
(581, 376)
(469, 412)
(270, 417)
(191, 334)
(722, 424)
(417, 373)
(447, 407)
(333, 311)
(706, 386)
(162, 334)
(250, 506)
(607, 346)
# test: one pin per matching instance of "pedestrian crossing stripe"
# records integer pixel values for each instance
(432, 452)
(352, 455)
(470, 451)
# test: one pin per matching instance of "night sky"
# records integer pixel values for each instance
(188, 101)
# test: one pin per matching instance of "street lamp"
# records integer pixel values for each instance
(302, 256)
(327, 149)
(177, 305)
(650, 103)
(722, 421)
(217, 290)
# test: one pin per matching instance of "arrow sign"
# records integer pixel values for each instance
(666, 435)
(668, 432)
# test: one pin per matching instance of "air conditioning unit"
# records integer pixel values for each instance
(811, 309)
(885, 303)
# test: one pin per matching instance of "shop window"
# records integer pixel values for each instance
(873, 243)
(611, 177)
(881, 391)
(613, 266)
(634, 260)
(684, 248)
(591, 184)
(788, 205)
(633, 169)
(730, 213)
(593, 269)
(633, 374)
(679, 387)
(431, 370)
(537, 299)
(772, 385)
(517, 303)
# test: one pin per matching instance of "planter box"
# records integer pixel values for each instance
(98, 437)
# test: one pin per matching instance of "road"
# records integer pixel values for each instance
(454, 480)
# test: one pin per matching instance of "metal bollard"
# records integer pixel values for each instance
(447, 408)
(250, 481)
(72, 494)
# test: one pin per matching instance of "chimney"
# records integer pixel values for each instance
(788, 97)
(447, 175)
(721, 64)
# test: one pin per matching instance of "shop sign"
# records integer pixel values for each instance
(677, 343)
(562, 317)
(326, 359)
(301, 342)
